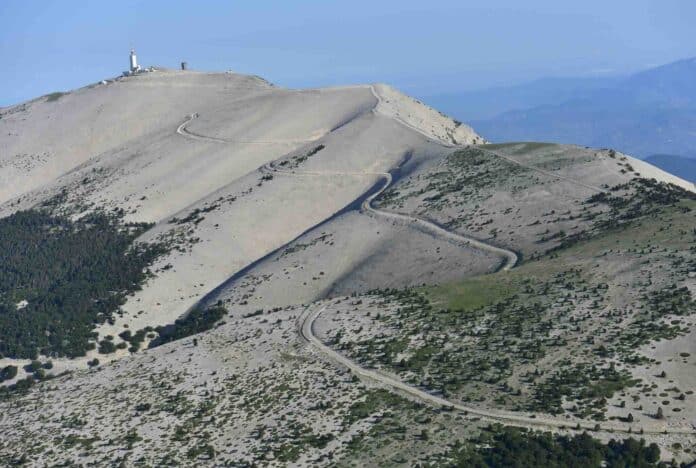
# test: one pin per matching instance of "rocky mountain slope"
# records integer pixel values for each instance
(288, 225)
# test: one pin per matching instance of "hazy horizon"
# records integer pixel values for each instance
(423, 49)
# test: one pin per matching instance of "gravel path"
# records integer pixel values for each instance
(309, 316)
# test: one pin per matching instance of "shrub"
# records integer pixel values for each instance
(143, 407)
(197, 321)
(55, 96)
(8, 372)
(106, 347)
(33, 366)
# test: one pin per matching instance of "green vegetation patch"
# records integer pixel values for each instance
(466, 175)
(196, 321)
(295, 161)
(507, 446)
(393, 420)
(55, 96)
(59, 278)
(468, 171)
(300, 438)
(299, 246)
(502, 337)
(473, 293)
(670, 301)
(376, 401)
(405, 434)
(634, 202)
(451, 349)
(8, 373)
(195, 216)
(585, 383)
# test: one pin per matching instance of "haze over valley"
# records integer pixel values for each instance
(649, 114)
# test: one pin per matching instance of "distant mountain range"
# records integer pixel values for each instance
(652, 112)
(491, 102)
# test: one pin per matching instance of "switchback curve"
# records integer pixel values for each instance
(310, 315)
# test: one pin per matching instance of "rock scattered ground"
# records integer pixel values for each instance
(258, 193)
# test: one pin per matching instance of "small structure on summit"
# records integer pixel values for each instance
(134, 67)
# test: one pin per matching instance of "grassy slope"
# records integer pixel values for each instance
(671, 228)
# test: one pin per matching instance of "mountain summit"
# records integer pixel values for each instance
(206, 269)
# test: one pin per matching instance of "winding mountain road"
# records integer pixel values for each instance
(185, 132)
(305, 324)
(305, 327)
(510, 257)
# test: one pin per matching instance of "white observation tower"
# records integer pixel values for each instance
(134, 67)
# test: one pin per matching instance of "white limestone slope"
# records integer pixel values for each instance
(423, 119)
(163, 145)
(170, 144)
(43, 139)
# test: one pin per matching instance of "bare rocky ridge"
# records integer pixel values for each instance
(265, 193)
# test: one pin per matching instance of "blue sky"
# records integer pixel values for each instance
(421, 47)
